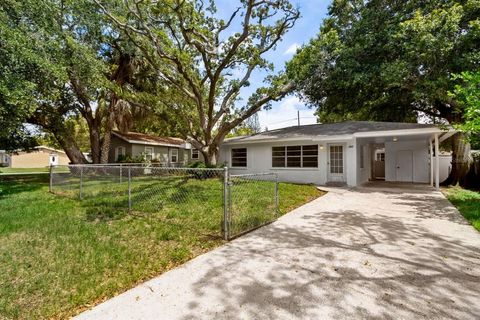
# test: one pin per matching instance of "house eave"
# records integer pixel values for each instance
(149, 143)
(367, 134)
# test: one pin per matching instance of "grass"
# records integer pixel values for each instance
(23, 170)
(60, 255)
(467, 202)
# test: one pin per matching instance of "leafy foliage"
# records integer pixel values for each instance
(190, 49)
(467, 94)
(389, 60)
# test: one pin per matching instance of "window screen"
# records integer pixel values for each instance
(295, 157)
(239, 157)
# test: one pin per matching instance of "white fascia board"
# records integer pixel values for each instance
(307, 138)
(368, 134)
(400, 132)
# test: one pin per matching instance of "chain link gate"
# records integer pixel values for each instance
(252, 201)
(239, 203)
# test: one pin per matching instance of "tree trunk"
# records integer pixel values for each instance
(55, 125)
(95, 148)
(211, 155)
(68, 144)
(107, 136)
(461, 161)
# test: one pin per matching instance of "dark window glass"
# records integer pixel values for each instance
(294, 151)
(278, 162)
(239, 157)
(294, 162)
(295, 156)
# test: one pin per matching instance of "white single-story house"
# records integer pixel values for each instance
(351, 152)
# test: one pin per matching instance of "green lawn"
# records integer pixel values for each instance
(467, 202)
(60, 255)
(23, 170)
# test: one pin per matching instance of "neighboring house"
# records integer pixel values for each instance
(167, 151)
(40, 156)
(350, 153)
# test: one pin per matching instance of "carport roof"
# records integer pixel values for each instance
(347, 128)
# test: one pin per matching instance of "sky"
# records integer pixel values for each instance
(284, 113)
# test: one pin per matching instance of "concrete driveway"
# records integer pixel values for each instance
(372, 253)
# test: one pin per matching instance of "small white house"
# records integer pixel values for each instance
(350, 153)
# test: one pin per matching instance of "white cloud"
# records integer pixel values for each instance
(292, 49)
(284, 114)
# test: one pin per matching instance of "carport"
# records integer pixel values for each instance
(400, 155)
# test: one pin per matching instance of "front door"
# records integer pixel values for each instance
(404, 166)
(336, 163)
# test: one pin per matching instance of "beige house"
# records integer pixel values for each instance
(41, 156)
(167, 151)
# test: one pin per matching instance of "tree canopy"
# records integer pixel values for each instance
(393, 61)
(389, 60)
(205, 61)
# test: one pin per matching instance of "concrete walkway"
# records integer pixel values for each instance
(371, 253)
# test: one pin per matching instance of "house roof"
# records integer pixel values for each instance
(49, 149)
(347, 128)
(148, 139)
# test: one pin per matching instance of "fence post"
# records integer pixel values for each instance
(81, 182)
(226, 232)
(121, 167)
(276, 194)
(129, 191)
(50, 185)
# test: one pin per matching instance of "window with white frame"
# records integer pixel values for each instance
(149, 153)
(195, 154)
(239, 157)
(119, 151)
(173, 155)
(295, 156)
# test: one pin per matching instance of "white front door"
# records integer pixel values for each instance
(336, 163)
(404, 166)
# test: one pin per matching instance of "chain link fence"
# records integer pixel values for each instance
(234, 204)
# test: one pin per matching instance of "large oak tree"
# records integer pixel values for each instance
(61, 60)
(393, 61)
(205, 61)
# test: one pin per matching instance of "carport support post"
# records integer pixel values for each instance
(437, 164)
(431, 163)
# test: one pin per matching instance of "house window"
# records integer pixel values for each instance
(119, 151)
(381, 156)
(295, 157)
(195, 154)
(148, 153)
(239, 157)
(173, 155)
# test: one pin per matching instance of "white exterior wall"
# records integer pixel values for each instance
(259, 160)
(364, 174)
(421, 166)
